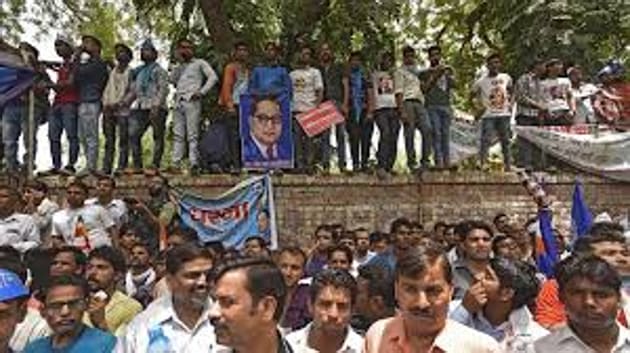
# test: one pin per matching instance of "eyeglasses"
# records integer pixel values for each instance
(57, 307)
(265, 119)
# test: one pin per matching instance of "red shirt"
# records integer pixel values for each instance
(68, 94)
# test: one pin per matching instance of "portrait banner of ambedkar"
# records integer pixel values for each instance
(266, 138)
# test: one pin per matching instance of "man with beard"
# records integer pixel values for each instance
(151, 218)
(108, 308)
(64, 306)
(84, 226)
(423, 287)
(375, 297)
(193, 79)
(333, 295)
(141, 276)
(590, 291)
(249, 296)
(291, 261)
(469, 271)
(148, 94)
(180, 320)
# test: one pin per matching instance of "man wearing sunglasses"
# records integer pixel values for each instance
(64, 306)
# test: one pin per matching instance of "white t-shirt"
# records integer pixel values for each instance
(305, 84)
(117, 209)
(584, 107)
(555, 92)
(494, 94)
(384, 96)
(95, 218)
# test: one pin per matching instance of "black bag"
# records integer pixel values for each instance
(213, 147)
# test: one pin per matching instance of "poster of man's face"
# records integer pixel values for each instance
(266, 132)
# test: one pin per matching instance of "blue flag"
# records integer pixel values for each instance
(546, 244)
(15, 77)
(581, 217)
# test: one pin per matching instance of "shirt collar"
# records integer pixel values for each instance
(347, 345)
(263, 148)
(168, 314)
(567, 334)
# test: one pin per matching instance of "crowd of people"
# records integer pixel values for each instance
(104, 274)
(410, 97)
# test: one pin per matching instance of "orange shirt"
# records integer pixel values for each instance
(549, 308)
(227, 85)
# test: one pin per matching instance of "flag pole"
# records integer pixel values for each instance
(30, 155)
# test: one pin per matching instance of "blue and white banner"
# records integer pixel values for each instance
(244, 211)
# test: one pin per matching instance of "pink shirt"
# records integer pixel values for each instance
(388, 335)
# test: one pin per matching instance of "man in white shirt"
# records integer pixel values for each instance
(40, 207)
(508, 287)
(308, 92)
(385, 114)
(193, 79)
(557, 96)
(590, 290)
(333, 294)
(181, 318)
(492, 95)
(17, 229)
(105, 189)
(84, 226)
(115, 112)
(410, 103)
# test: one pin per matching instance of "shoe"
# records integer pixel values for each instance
(235, 171)
(195, 170)
(68, 170)
(173, 170)
(382, 174)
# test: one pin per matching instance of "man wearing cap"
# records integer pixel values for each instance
(115, 113)
(147, 98)
(193, 79)
(17, 229)
(90, 77)
(13, 298)
(64, 109)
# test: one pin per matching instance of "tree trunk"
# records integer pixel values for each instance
(218, 24)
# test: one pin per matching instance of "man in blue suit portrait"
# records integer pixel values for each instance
(262, 144)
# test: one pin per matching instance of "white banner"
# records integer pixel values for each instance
(590, 148)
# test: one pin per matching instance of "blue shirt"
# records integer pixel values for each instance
(90, 340)
(270, 80)
(385, 260)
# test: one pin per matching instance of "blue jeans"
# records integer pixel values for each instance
(14, 121)
(441, 117)
(501, 125)
(63, 117)
(110, 124)
(419, 119)
(88, 132)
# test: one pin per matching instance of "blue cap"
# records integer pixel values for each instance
(11, 286)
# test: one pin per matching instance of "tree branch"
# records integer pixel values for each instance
(218, 24)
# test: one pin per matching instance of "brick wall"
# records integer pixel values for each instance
(304, 202)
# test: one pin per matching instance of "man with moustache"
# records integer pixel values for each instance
(249, 298)
(292, 261)
(108, 308)
(64, 305)
(423, 286)
(333, 295)
(590, 291)
(180, 320)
